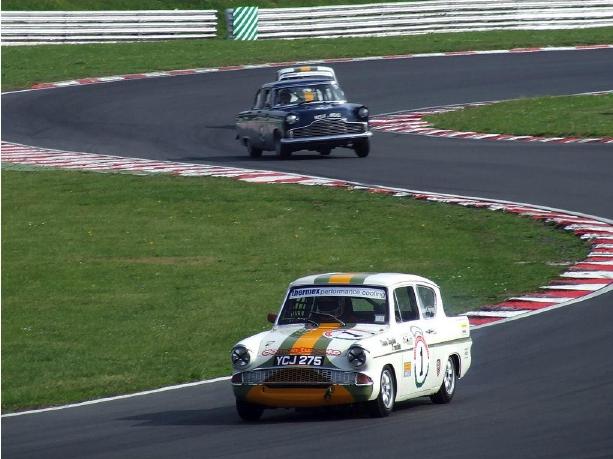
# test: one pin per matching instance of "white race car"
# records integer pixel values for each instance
(306, 71)
(346, 338)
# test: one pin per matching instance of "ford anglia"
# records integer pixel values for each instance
(353, 338)
(303, 114)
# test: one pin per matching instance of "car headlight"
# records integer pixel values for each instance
(356, 356)
(240, 356)
(363, 112)
(291, 118)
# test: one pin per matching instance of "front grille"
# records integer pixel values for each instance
(327, 127)
(299, 376)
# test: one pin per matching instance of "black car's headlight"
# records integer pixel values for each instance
(240, 356)
(363, 112)
(356, 356)
(291, 118)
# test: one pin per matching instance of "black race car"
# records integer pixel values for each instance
(303, 114)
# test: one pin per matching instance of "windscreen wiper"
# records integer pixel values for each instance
(336, 319)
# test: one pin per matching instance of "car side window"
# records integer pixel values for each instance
(267, 97)
(427, 296)
(406, 304)
(257, 103)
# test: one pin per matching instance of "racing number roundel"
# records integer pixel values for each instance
(421, 360)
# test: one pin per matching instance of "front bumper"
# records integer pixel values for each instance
(289, 387)
(340, 139)
(302, 397)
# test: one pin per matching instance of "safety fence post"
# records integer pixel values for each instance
(243, 23)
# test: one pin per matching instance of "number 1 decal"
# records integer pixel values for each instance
(421, 362)
(421, 348)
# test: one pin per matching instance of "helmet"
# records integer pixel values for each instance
(285, 97)
(329, 305)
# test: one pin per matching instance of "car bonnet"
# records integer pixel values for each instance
(328, 339)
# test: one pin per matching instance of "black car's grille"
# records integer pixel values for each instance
(320, 128)
(298, 376)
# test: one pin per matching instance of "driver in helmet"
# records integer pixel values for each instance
(329, 305)
(336, 306)
(285, 97)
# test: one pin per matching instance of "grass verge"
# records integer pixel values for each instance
(568, 116)
(22, 66)
(116, 283)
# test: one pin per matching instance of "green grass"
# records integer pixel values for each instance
(581, 116)
(116, 283)
(23, 66)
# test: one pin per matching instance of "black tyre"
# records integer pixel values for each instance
(447, 389)
(282, 150)
(253, 151)
(362, 147)
(248, 411)
(383, 405)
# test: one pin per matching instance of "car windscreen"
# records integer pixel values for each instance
(304, 94)
(335, 304)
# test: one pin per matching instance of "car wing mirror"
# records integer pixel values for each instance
(272, 318)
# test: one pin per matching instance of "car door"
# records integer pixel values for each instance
(258, 120)
(245, 124)
(415, 366)
(267, 120)
(434, 333)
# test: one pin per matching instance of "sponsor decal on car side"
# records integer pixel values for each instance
(407, 367)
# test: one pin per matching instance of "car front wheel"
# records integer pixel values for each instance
(447, 389)
(362, 147)
(282, 150)
(384, 404)
(248, 411)
(253, 151)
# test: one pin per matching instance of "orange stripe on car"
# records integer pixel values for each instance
(308, 340)
(299, 397)
(341, 278)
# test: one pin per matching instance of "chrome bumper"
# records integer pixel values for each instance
(327, 138)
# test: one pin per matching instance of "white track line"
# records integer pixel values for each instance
(117, 397)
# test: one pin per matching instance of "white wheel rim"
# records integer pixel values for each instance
(449, 379)
(387, 389)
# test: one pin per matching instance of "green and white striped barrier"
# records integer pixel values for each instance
(245, 23)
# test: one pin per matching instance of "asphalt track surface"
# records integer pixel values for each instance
(539, 387)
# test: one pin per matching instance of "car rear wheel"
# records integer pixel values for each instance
(447, 389)
(362, 147)
(253, 151)
(384, 404)
(282, 150)
(248, 411)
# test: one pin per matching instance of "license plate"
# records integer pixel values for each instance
(308, 360)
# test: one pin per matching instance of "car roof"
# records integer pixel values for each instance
(296, 82)
(306, 71)
(376, 279)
